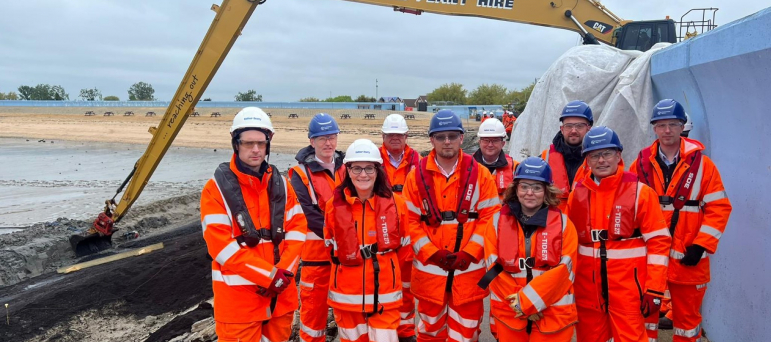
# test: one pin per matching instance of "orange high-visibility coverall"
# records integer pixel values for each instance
(352, 288)
(548, 291)
(396, 177)
(635, 266)
(463, 305)
(314, 186)
(239, 271)
(701, 225)
(559, 174)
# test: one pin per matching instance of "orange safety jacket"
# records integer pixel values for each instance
(538, 267)
(313, 192)
(559, 174)
(397, 175)
(702, 224)
(364, 274)
(428, 240)
(503, 171)
(239, 271)
(623, 241)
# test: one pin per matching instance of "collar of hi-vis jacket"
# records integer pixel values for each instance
(247, 179)
(607, 184)
(687, 147)
(501, 162)
(351, 200)
(307, 156)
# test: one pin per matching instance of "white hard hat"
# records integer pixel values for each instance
(492, 128)
(251, 117)
(395, 123)
(688, 123)
(363, 150)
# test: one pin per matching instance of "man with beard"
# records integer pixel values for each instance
(452, 203)
(564, 155)
(492, 135)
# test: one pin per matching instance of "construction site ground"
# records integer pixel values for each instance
(160, 296)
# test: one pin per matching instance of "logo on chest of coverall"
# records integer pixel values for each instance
(617, 220)
(384, 230)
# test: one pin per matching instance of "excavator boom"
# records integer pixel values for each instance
(230, 19)
(592, 16)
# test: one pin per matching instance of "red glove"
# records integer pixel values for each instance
(281, 281)
(462, 261)
(442, 258)
(650, 305)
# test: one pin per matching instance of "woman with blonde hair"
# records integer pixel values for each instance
(530, 255)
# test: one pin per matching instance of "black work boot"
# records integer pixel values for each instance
(408, 339)
(665, 323)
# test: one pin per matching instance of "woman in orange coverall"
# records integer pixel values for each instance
(530, 257)
(365, 225)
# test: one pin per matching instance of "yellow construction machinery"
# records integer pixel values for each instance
(589, 18)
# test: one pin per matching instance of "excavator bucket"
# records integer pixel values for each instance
(90, 244)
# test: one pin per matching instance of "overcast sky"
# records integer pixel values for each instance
(290, 48)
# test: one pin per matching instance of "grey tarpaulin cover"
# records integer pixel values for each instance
(615, 83)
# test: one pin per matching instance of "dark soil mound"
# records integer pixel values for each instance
(168, 280)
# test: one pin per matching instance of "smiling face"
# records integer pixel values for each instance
(530, 194)
(491, 147)
(252, 146)
(603, 162)
(364, 181)
(573, 129)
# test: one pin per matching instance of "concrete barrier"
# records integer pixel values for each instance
(723, 79)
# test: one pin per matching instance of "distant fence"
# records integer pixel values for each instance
(469, 111)
(210, 104)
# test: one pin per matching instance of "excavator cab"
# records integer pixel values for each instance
(641, 35)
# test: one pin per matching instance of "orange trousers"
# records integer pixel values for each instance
(686, 311)
(357, 327)
(314, 288)
(652, 326)
(407, 310)
(276, 329)
(599, 326)
(448, 321)
(507, 334)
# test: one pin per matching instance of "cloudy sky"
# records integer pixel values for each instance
(290, 48)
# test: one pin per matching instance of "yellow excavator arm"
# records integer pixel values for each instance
(582, 16)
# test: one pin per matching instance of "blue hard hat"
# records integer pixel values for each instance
(445, 120)
(322, 124)
(599, 138)
(668, 109)
(534, 168)
(577, 109)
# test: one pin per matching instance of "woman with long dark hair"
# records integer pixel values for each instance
(364, 227)
(530, 257)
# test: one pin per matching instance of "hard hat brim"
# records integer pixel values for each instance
(535, 178)
(667, 117)
(601, 147)
(448, 129)
(395, 130)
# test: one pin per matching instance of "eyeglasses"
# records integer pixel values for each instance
(326, 138)
(356, 170)
(671, 125)
(606, 155)
(535, 188)
(577, 126)
(490, 141)
(446, 137)
(250, 144)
